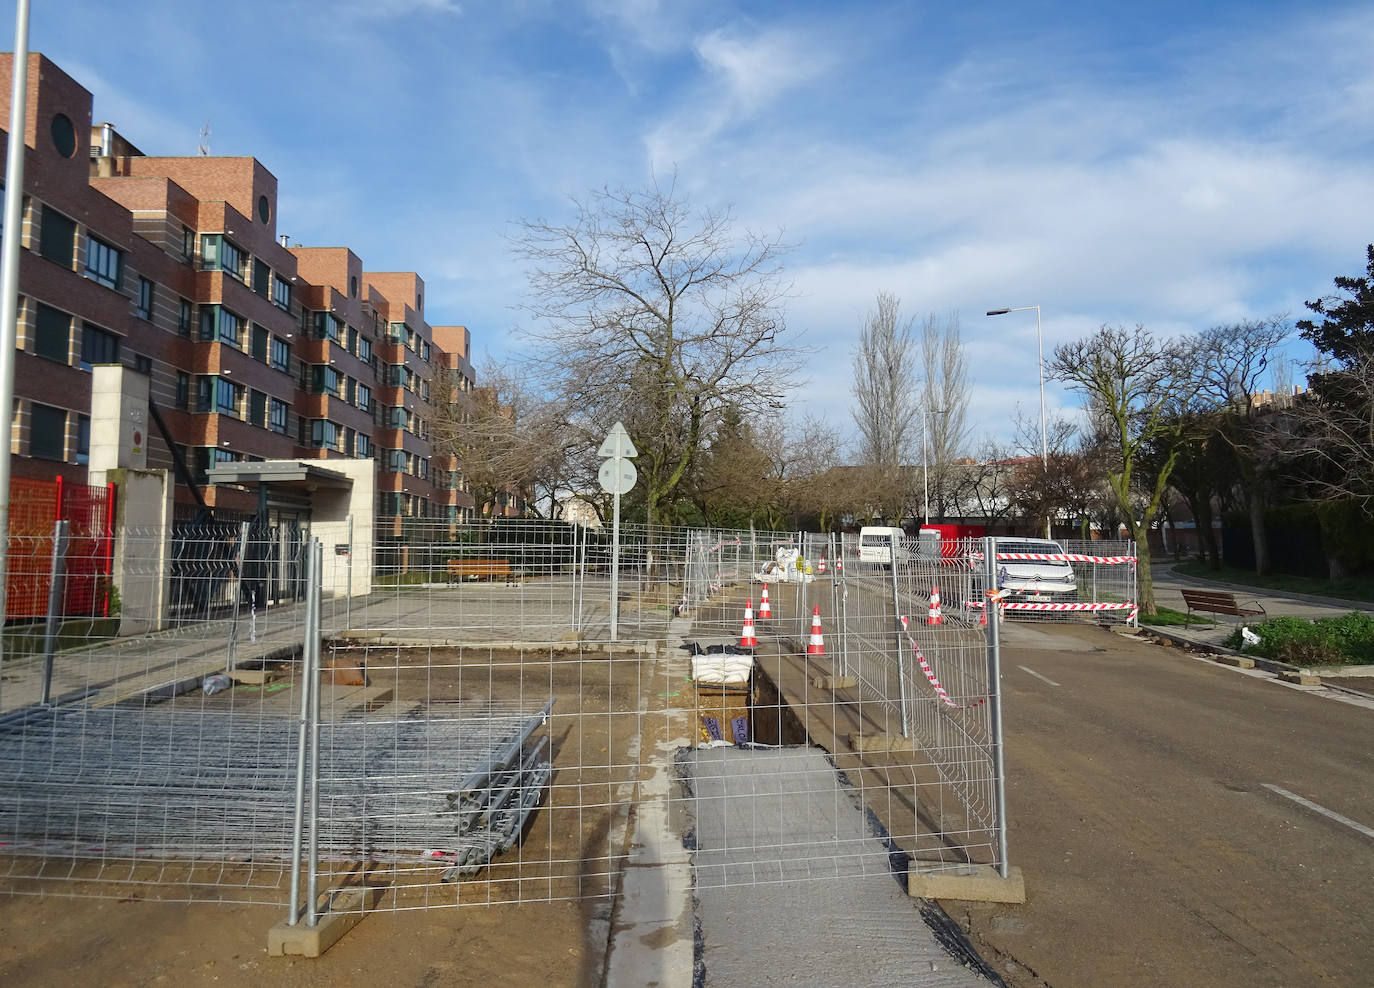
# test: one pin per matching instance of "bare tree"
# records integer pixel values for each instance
(1136, 380)
(650, 312)
(943, 400)
(1336, 422)
(505, 439)
(887, 405)
(1236, 358)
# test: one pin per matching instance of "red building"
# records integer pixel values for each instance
(256, 348)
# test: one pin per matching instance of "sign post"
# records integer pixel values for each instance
(617, 476)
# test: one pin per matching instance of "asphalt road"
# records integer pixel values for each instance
(1154, 851)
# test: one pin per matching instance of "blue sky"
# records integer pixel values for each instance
(1173, 164)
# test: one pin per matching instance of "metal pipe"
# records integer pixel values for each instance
(994, 643)
(302, 739)
(313, 863)
(348, 596)
(900, 638)
(238, 593)
(9, 282)
(56, 572)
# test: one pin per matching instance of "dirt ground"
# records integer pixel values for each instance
(551, 896)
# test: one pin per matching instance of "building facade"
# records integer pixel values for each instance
(256, 348)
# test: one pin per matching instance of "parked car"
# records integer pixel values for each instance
(1029, 579)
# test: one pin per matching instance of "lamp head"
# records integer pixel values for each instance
(998, 312)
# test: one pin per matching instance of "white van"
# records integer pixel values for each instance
(875, 544)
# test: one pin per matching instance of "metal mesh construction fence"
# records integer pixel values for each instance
(454, 722)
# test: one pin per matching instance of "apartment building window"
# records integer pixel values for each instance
(325, 380)
(400, 418)
(145, 299)
(228, 397)
(424, 390)
(349, 438)
(217, 322)
(57, 237)
(262, 277)
(362, 447)
(257, 409)
(260, 338)
(185, 316)
(188, 242)
(98, 346)
(328, 327)
(103, 262)
(278, 415)
(281, 292)
(396, 333)
(218, 253)
(352, 340)
(183, 395)
(47, 432)
(365, 350)
(52, 336)
(324, 434)
(364, 397)
(83, 440)
(143, 363)
(399, 461)
(281, 354)
(425, 350)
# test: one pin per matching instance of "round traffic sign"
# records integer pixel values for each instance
(617, 476)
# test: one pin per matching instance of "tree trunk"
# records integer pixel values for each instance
(1144, 578)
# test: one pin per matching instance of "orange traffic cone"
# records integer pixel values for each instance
(816, 646)
(765, 611)
(839, 565)
(820, 567)
(746, 636)
(935, 616)
(983, 616)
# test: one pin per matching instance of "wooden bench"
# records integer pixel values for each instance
(1219, 602)
(480, 569)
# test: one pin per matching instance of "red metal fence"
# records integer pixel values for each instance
(35, 506)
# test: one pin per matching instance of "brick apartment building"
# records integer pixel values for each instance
(256, 348)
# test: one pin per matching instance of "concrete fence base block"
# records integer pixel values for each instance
(833, 683)
(1239, 661)
(881, 742)
(1301, 678)
(346, 910)
(967, 883)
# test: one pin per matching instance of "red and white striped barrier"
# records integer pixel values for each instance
(934, 681)
(1060, 557)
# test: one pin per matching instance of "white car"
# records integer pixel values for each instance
(1028, 579)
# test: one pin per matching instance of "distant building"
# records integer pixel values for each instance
(256, 348)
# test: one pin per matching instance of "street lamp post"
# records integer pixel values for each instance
(1040, 348)
(925, 458)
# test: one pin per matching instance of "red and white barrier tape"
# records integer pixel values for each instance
(1019, 606)
(1060, 557)
(940, 691)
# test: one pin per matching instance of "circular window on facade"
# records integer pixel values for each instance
(63, 135)
(353, 286)
(264, 209)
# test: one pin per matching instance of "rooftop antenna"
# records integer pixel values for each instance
(204, 146)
